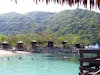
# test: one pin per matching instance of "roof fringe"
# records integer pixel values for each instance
(92, 3)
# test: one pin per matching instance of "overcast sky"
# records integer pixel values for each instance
(24, 6)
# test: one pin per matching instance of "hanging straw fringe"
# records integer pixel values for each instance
(92, 3)
(98, 3)
(85, 3)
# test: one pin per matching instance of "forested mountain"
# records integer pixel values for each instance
(12, 23)
(83, 23)
(39, 17)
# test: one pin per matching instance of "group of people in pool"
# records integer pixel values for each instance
(8, 58)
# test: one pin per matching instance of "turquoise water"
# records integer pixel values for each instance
(39, 64)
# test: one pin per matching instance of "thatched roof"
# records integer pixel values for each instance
(5, 42)
(20, 42)
(91, 3)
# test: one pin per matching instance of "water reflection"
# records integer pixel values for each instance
(69, 57)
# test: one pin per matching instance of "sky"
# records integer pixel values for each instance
(24, 6)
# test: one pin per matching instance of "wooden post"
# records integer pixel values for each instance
(81, 63)
(98, 56)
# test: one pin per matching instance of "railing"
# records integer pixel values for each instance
(93, 63)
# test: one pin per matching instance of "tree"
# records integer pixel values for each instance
(3, 38)
(73, 38)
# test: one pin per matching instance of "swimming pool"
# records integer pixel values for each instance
(39, 64)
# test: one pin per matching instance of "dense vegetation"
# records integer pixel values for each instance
(84, 23)
(12, 23)
(75, 26)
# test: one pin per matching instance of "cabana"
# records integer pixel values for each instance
(50, 43)
(34, 44)
(5, 45)
(64, 43)
(20, 45)
(78, 45)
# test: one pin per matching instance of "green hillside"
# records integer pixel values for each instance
(84, 23)
(75, 26)
(12, 23)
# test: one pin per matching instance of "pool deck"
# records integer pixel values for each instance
(11, 53)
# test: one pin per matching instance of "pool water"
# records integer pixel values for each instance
(39, 64)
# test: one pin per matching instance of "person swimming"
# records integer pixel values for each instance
(32, 58)
(20, 58)
(8, 58)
